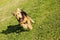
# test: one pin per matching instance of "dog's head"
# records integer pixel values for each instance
(17, 13)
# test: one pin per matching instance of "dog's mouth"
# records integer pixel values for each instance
(20, 19)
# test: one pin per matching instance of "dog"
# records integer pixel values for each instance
(23, 19)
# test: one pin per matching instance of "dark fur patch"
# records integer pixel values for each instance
(25, 22)
(23, 13)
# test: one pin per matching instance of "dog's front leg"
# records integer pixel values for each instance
(30, 19)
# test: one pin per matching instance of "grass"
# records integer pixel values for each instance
(45, 13)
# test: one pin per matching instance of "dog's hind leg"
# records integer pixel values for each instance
(24, 26)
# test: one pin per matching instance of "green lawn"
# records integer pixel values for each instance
(45, 13)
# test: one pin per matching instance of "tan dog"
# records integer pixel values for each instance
(23, 19)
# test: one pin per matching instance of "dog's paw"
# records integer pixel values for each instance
(33, 21)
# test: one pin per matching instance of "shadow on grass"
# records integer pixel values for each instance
(12, 29)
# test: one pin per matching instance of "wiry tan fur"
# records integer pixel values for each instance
(24, 20)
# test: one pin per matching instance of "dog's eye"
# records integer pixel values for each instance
(18, 13)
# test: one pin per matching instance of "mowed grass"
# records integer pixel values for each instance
(45, 13)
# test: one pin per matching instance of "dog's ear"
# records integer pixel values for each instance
(18, 10)
(23, 13)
